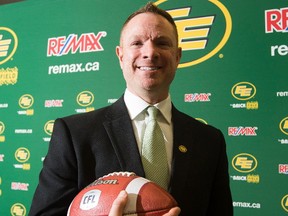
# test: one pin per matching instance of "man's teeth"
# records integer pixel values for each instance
(148, 68)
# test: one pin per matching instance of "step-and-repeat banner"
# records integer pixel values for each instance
(57, 58)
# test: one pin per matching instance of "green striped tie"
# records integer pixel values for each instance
(154, 157)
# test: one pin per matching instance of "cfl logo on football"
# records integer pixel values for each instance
(90, 199)
(276, 20)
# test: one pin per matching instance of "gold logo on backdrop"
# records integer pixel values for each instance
(284, 203)
(8, 44)
(284, 125)
(243, 91)
(22, 155)
(244, 163)
(193, 31)
(26, 101)
(18, 209)
(48, 127)
(2, 127)
(85, 98)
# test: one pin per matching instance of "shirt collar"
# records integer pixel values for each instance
(136, 105)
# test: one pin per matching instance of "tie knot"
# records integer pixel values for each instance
(152, 112)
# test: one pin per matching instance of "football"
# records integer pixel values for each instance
(145, 198)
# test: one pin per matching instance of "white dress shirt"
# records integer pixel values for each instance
(136, 107)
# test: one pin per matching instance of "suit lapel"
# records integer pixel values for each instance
(181, 155)
(120, 131)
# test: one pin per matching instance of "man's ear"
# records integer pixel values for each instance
(119, 53)
(179, 54)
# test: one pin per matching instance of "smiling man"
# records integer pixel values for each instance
(84, 147)
(149, 56)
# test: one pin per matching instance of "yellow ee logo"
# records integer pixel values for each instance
(243, 91)
(284, 203)
(26, 101)
(283, 126)
(194, 31)
(22, 155)
(18, 209)
(85, 98)
(2, 127)
(48, 127)
(9, 43)
(244, 163)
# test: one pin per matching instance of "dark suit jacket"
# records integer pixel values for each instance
(87, 146)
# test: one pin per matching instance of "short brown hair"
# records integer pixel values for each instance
(150, 7)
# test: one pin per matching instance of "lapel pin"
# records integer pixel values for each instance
(182, 149)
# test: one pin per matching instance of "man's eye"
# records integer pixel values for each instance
(164, 43)
(136, 43)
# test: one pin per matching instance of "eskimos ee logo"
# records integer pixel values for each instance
(284, 125)
(244, 163)
(48, 127)
(18, 209)
(85, 98)
(22, 155)
(243, 91)
(198, 23)
(9, 43)
(284, 203)
(26, 101)
(2, 127)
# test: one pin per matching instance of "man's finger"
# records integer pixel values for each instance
(119, 204)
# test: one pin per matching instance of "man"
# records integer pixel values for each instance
(87, 146)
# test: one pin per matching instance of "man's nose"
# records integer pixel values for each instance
(150, 51)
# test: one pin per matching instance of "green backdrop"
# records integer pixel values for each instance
(57, 58)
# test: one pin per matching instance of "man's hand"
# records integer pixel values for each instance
(121, 200)
(119, 204)
(173, 212)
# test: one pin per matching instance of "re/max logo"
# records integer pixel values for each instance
(242, 131)
(276, 20)
(87, 42)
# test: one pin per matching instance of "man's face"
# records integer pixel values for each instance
(148, 54)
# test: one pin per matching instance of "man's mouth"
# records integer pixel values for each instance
(146, 68)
